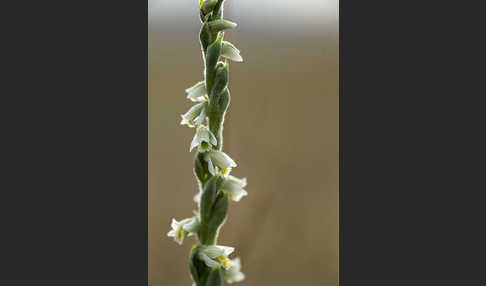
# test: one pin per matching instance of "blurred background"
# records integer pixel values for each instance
(281, 128)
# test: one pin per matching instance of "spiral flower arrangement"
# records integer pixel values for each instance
(209, 263)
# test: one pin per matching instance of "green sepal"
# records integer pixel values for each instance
(201, 168)
(213, 210)
(220, 25)
(208, 5)
(219, 214)
(212, 56)
(222, 100)
(218, 10)
(216, 111)
(199, 270)
(208, 197)
(215, 277)
(220, 79)
(205, 36)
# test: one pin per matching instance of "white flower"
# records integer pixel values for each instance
(204, 138)
(218, 159)
(228, 50)
(234, 187)
(195, 115)
(197, 92)
(183, 228)
(233, 272)
(215, 255)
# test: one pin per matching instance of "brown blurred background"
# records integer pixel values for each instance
(281, 128)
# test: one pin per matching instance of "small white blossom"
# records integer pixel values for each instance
(220, 160)
(195, 115)
(233, 273)
(197, 92)
(234, 187)
(229, 51)
(215, 255)
(183, 228)
(203, 138)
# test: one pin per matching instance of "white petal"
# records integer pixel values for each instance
(242, 182)
(210, 166)
(197, 92)
(185, 121)
(202, 115)
(196, 97)
(171, 233)
(191, 226)
(237, 195)
(235, 264)
(204, 133)
(233, 273)
(227, 249)
(174, 224)
(212, 138)
(209, 262)
(222, 160)
(229, 51)
(214, 251)
(194, 87)
(193, 115)
(185, 221)
(232, 183)
(236, 277)
(195, 142)
(233, 56)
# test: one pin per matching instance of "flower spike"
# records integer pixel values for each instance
(210, 264)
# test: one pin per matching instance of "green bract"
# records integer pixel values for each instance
(209, 263)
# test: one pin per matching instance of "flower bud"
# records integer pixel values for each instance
(220, 25)
(207, 5)
(229, 51)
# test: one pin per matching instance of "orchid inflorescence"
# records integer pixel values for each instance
(209, 263)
